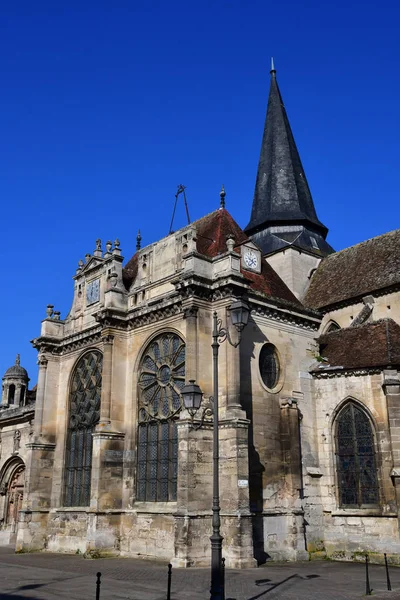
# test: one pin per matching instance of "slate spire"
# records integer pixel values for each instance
(283, 211)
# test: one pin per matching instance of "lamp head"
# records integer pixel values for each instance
(192, 396)
(239, 312)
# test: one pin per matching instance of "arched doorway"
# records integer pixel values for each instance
(12, 481)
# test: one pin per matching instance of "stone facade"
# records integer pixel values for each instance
(102, 457)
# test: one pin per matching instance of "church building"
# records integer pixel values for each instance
(102, 456)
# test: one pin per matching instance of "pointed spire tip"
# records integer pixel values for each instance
(222, 196)
(273, 70)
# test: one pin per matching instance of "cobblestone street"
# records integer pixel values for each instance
(50, 576)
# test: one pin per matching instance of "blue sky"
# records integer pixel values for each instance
(106, 107)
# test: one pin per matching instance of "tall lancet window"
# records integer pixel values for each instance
(161, 379)
(84, 414)
(356, 461)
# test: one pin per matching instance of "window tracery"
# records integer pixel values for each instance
(356, 460)
(84, 414)
(161, 379)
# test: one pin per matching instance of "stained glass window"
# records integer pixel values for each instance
(269, 365)
(84, 414)
(161, 379)
(356, 462)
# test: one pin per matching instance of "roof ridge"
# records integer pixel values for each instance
(363, 243)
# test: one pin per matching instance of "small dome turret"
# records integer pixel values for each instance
(16, 371)
(15, 385)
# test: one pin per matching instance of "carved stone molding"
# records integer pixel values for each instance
(108, 338)
(42, 361)
(288, 403)
(190, 311)
(345, 373)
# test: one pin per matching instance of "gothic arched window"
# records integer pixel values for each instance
(355, 455)
(84, 414)
(161, 379)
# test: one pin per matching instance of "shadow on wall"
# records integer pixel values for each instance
(256, 468)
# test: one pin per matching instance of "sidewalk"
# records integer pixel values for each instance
(55, 576)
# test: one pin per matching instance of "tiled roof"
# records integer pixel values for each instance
(375, 344)
(212, 231)
(356, 271)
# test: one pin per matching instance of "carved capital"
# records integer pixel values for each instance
(107, 339)
(190, 312)
(288, 403)
(391, 382)
(42, 361)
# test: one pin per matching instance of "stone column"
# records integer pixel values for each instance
(391, 388)
(4, 397)
(17, 399)
(105, 404)
(40, 393)
(190, 314)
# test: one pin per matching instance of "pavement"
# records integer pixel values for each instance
(48, 576)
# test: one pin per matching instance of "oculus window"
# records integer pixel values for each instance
(269, 366)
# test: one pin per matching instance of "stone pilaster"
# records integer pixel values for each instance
(105, 404)
(37, 497)
(391, 388)
(284, 524)
(190, 314)
(40, 395)
(194, 494)
(107, 470)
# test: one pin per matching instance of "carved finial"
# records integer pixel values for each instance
(222, 195)
(49, 310)
(57, 315)
(117, 243)
(87, 257)
(138, 240)
(81, 264)
(272, 71)
(98, 244)
(18, 360)
(108, 246)
(230, 242)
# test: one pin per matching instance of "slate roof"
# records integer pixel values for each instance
(282, 197)
(375, 344)
(356, 271)
(212, 231)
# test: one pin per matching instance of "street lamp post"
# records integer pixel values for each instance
(192, 396)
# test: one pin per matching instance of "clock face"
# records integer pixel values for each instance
(250, 259)
(93, 291)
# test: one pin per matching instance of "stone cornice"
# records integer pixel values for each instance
(331, 374)
(87, 337)
(41, 446)
(20, 414)
(284, 315)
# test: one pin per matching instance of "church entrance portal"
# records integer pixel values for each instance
(12, 481)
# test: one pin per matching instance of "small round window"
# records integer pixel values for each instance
(269, 365)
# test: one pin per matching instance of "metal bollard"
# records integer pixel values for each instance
(389, 585)
(368, 591)
(98, 583)
(223, 578)
(169, 582)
